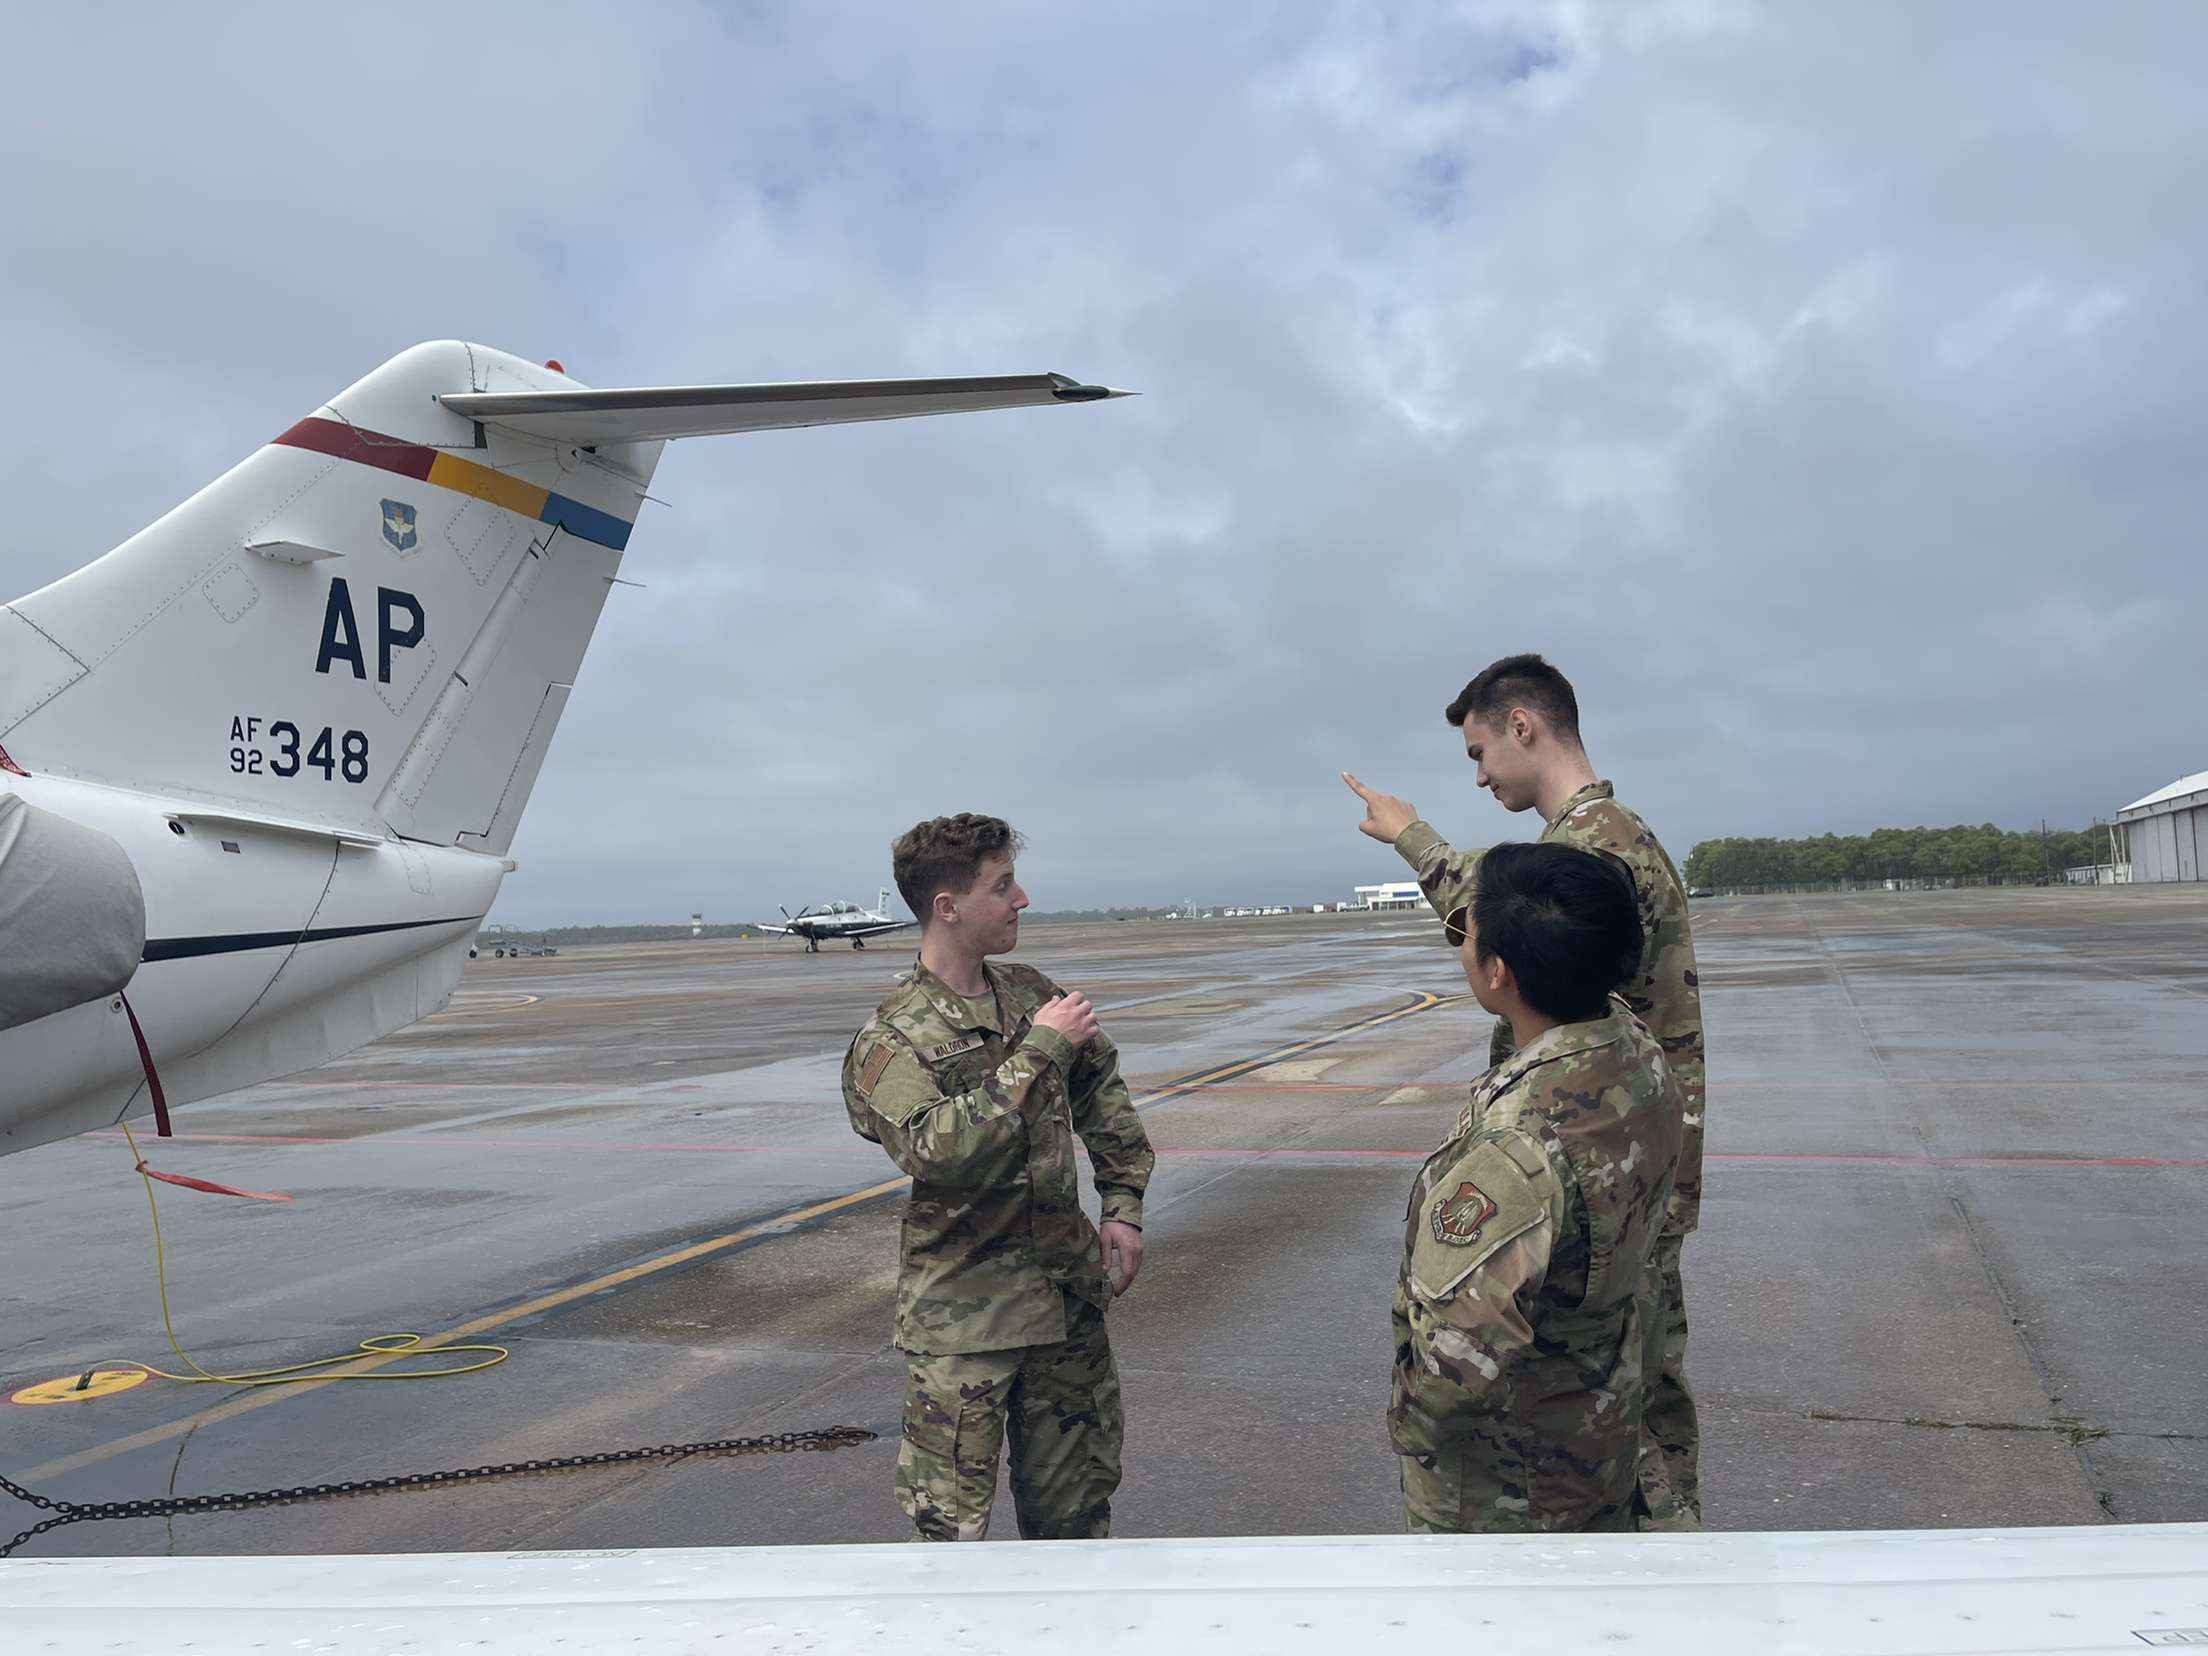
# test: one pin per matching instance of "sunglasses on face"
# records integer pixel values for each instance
(1456, 924)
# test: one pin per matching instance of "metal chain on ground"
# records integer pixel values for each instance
(823, 1438)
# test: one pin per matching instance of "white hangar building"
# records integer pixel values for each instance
(2168, 831)
(1393, 894)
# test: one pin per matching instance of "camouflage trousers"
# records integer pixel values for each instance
(1452, 1490)
(1671, 1438)
(1061, 1405)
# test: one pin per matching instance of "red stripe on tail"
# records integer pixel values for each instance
(369, 448)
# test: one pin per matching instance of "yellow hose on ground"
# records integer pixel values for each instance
(291, 1374)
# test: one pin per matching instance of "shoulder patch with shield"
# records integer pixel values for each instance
(1457, 1216)
(1484, 1201)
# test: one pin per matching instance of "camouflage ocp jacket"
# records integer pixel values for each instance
(1519, 1307)
(1666, 994)
(982, 1110)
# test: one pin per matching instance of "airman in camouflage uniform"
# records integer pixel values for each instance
(1003, 1287)
(1519, 1382)
(1665, 995)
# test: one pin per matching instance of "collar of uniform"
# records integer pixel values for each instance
(951, 1006)
(1585, 796)
(1566, 1039)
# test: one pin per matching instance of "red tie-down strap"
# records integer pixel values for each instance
(161, 1124)
(209, 1186)
(153, 1079)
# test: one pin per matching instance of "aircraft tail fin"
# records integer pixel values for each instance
(372, 623)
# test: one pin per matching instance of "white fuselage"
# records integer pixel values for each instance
(259, 960)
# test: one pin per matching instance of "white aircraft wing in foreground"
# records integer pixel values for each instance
(1869, 1593)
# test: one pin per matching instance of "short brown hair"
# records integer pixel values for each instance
(1518, 681)
(945, 854)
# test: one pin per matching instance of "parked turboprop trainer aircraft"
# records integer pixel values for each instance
(839, 920)
(260, 765)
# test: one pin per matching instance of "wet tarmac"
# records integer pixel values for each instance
(1949, 1273)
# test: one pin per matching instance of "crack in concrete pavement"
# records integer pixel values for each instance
(2079, 1442)
(2073, 1427)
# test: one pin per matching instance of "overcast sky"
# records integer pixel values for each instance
(1821, 387)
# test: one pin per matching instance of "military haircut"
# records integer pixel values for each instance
(1518, 681)
(945, 854)
(1565, 921)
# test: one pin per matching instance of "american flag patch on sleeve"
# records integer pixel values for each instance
(878, 1062)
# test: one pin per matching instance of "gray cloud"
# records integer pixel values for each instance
(1820, 387)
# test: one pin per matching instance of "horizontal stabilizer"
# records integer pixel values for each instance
(274, 825)
(644, 413)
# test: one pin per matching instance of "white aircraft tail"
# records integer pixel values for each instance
(372, 623)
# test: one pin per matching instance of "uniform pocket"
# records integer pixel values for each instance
(953, 1435)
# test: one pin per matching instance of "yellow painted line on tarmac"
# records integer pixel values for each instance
(492, 1321)
(685, 997)
(1245, 1066)
(481, 1325)
(485, 1011)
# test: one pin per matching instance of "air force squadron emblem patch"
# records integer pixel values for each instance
(398, 525)
(1457, 1219)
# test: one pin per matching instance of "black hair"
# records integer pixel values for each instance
(1565, 921)
(1518, 681)
(945, 854)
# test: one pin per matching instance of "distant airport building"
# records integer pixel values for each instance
(1394, 894)
(2166, 833)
